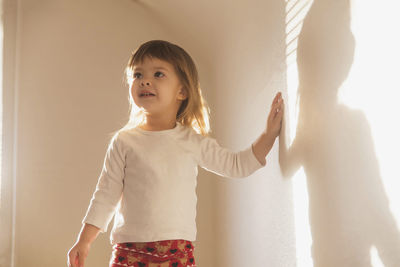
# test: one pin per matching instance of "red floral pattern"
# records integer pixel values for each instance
(166, 253)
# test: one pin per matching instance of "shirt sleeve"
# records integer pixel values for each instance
(109, 187)
(225, 162)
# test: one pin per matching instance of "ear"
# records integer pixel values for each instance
(182, 94)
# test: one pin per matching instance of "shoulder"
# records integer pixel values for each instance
(188, 139)
(118, 139)
(187, 133)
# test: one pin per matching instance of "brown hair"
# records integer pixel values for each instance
(194, 111)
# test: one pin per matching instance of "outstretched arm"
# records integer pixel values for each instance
(264, 143)
(224, 162)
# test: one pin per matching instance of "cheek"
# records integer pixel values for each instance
(132, 92)
(133, 89)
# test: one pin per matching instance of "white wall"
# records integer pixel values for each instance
(8, 137)
(64, 63)
(244, 43)
(70, 60)
(70, 96)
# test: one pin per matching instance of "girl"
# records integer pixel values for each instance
(150, 169)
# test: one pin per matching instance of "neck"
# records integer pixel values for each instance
(153, 123)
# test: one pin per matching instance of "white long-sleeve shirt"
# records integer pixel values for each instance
(152, 175)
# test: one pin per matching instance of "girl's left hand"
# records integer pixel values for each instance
(275, 116)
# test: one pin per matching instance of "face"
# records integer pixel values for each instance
(156, 87)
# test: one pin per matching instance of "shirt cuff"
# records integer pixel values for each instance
(98, 222)
(254, 163)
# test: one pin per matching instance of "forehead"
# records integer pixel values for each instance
(153, 63)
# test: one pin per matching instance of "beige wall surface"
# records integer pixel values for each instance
(69, 62)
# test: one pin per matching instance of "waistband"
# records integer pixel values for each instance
(161, 249)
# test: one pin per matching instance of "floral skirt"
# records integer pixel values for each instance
(166, 253)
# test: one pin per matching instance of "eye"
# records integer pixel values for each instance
(135, 74)
(158, 72)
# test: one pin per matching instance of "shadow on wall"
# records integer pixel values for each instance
(348, 208)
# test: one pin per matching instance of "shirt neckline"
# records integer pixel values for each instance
(175, 129)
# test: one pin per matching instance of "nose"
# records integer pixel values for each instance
(142, 83)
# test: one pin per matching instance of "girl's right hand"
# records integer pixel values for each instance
(77, 254)
(275, 116)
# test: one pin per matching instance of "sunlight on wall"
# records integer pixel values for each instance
(375, 260)
(375, 77)
(296, 10)
(372, 86)
(302, 225)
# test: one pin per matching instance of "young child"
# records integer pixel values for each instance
(150, 169)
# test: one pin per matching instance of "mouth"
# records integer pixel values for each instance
(146, 95)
